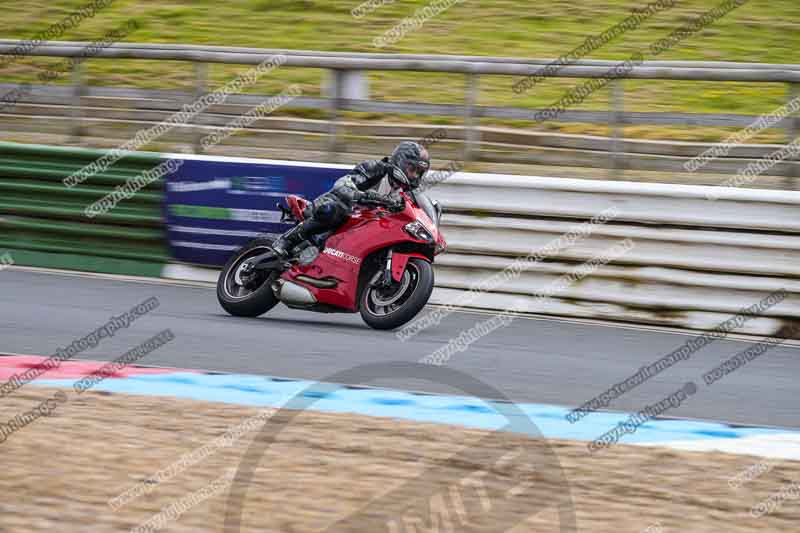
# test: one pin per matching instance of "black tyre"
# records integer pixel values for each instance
(233, 296)
(394, 306)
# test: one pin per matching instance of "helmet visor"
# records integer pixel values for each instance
(416, 171)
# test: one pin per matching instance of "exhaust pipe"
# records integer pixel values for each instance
(294, 294)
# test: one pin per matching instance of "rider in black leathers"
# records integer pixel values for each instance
(404, 168)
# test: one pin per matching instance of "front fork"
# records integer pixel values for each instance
(394, 267)
(384, 279)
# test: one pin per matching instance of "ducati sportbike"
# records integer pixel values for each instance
(378, 263)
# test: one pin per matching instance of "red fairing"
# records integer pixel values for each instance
(367, 231)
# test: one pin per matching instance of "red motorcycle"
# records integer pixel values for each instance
(379, 263)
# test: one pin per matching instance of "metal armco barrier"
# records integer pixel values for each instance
(42, 222)
(694, 263)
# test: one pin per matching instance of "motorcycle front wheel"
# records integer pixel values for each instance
(393, 306)
(237, 298)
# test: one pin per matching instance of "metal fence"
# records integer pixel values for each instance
(81, 107)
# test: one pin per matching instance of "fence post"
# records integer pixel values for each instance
(472, 133)
(333, 114)
(200, 89)
(78, 90)
(792, 131)
(616, 111)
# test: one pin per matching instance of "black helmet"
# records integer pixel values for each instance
(410, 161)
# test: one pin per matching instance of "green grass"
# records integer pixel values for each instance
(759, 31)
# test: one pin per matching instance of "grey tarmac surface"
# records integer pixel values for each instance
(532, 360)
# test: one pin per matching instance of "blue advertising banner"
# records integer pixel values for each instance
(215, 205)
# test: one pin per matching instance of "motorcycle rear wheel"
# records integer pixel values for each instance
(233, 296)
(394, 306)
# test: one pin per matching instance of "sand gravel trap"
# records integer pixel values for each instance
(59, 473)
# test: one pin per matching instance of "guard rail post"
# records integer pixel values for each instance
(200, 89)
(615, 121)
(77, 131)
(792, 131)
(472, 135)
(333, 114)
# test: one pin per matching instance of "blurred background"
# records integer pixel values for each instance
(632, 129)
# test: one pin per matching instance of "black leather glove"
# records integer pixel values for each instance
(396, 204)
(372, 197)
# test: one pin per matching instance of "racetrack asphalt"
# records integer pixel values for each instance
(532, 360)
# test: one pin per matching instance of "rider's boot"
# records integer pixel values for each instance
(286, 242)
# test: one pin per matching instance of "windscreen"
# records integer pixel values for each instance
(426, 205)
